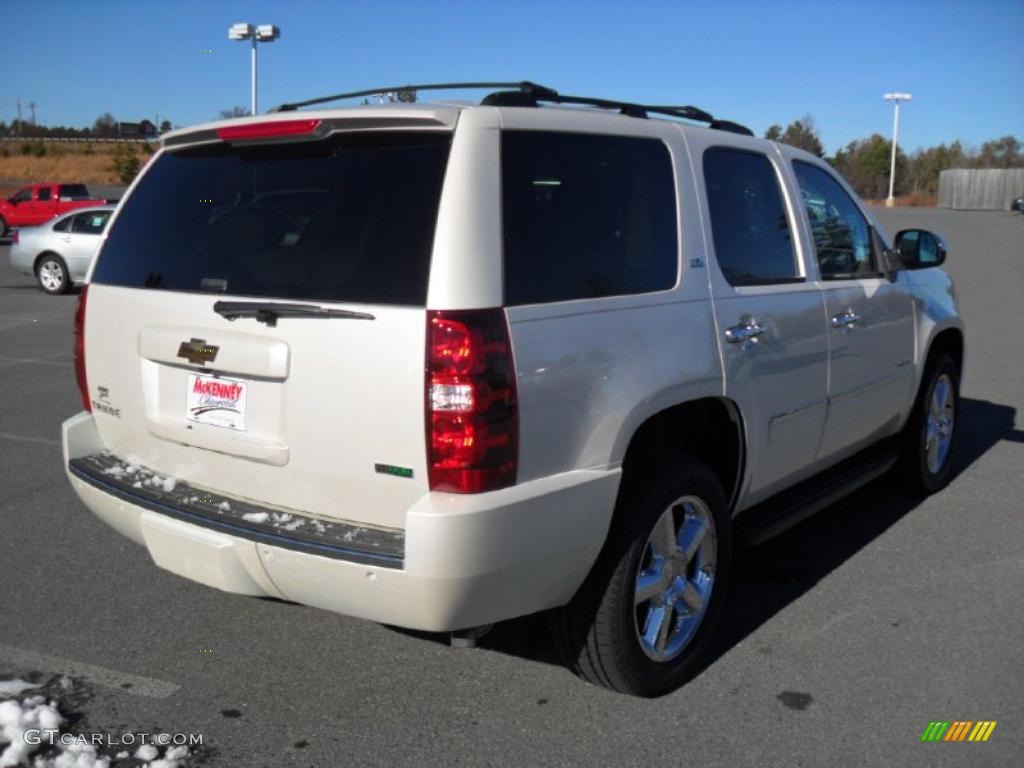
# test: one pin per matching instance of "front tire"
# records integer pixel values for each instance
(52, 274)
(643, 618)
(930, 436)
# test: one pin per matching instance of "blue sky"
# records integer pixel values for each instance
(757, 63)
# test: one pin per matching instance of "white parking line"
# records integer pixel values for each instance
(108, 678)
(28, 439)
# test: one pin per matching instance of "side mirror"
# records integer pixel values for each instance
(920, 249)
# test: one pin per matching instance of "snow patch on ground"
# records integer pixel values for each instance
(14, 687)
(146, 752)
(18, 716)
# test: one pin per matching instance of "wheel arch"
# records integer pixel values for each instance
(38, 259)
(951, 341)
(709, 428)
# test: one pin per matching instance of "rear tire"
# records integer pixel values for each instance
(52, 274)
(930, 437)
(642, 619)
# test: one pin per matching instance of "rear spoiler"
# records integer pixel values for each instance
(263, 130)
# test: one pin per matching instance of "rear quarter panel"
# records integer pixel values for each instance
(591, 371)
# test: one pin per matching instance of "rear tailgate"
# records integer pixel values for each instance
(319, 414)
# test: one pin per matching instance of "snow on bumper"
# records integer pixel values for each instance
(467, 559)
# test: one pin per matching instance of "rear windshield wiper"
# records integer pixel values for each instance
(269, 311)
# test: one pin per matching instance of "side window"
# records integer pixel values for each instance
(842, 236)
(64, 225)
(22, 195)
(44, 194)
(753, 242)
(90, 223)
(586, 216)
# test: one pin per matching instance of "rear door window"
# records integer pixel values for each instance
(44, 194)
(753, 242)
(586, 216)
(348, 219)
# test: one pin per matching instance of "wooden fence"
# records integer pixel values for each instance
(980, 189)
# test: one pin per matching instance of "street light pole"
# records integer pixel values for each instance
(264, 33)
(255, 76)
(890, 201)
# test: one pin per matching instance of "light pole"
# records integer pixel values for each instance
(264, 33)
(890, 201)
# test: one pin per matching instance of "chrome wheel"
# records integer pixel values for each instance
(675, 578)
(51, 276)
(939, 424)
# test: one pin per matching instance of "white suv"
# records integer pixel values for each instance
(439, 365)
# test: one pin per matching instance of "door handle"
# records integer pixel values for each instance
(745, 332)
(845, 319)
(66, 239)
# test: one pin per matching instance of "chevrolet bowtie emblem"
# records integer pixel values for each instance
(197, 351)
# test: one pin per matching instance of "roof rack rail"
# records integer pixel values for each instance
(527, 94)
(523, 86)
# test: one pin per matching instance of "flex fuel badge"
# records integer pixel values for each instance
(391, 469)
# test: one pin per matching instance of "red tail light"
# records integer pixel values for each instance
(472, 411)
(275, 129)
(83, 385)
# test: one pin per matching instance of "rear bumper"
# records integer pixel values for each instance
(461, 561)
(20, 259)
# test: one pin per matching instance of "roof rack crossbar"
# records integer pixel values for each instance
(525, 86)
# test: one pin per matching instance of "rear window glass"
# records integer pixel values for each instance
(73, 192)
(586, 216)
(350, 219)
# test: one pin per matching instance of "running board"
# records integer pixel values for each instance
(784, 510)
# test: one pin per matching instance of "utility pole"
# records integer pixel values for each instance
(890, 201)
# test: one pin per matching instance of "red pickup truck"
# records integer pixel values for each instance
(37, 203)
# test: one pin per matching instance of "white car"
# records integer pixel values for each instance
(440, 365)
(58, 252)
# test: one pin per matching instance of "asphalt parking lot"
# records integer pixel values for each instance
(844, 637)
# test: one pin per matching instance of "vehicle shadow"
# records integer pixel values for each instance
(769, 577)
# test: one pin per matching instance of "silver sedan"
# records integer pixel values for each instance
(59, 251)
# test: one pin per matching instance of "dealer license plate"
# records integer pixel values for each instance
(216, 401)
